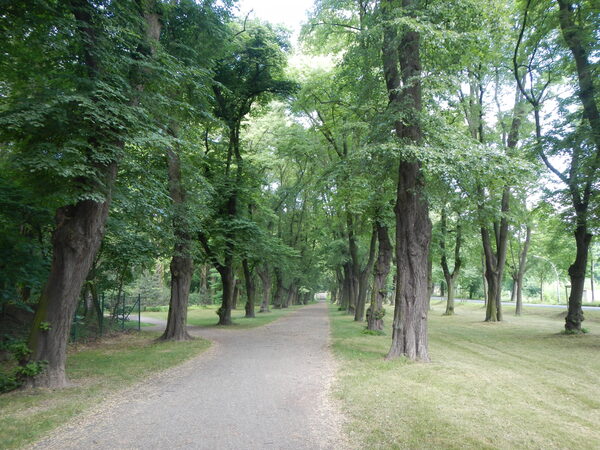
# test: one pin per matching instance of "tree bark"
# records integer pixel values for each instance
(450, 276)
(363, 279)
(278, 300)
(228, 282)
(382, 269)
(75, 241)
(182, 267)
(521, 272)
(250, 289)
(577, 272)
(402, 71)
(265, 278)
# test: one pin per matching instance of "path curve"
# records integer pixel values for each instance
(261, 388)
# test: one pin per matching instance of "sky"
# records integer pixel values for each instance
(290, 13)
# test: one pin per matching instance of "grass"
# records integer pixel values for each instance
(97, 370)
(206, 316)
(516, 384)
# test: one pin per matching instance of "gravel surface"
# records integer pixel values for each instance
(262, 388)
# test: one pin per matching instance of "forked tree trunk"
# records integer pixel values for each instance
(250, 290)
(382, 269)
(450, 276)
(181, 266)
(402, 71)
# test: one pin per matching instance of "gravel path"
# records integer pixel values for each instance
(262, 388)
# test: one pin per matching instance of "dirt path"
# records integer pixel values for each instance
(263, 388)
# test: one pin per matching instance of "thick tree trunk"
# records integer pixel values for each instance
(250, 290)
(75, 242)
(76, 239)
(577, 272)
(413, 233)
(228, 282)
(265, 278)
(402, 71)
(375, 312)
(181, 266)
(181, 278)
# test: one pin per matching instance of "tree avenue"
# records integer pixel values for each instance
(406, 148)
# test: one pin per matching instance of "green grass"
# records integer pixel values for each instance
(97, 370)
(516, 384)
(206, 316)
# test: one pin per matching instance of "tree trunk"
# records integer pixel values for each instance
(513, 289)
(521, 272)
(75, 241)
(484, 277)
(577, 272)
(278, 300)
(575, 38)
(375, 312)
(181, 266)
(495, 261)
(265, 278)
(236, 293)
(181, 277)
(450, 277)
(228, 281)
(363, 279)
(346, 288)
(204, 283)
(402, 72)
(250, 289)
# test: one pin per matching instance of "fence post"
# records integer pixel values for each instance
(139, 312)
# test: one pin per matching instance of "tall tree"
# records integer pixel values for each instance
(402, 70)
(98, 74)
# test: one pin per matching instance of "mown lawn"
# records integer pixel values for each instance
(97, 370)
(517, 384)
(206, 316)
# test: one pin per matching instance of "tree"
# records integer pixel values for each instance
(73, 139)
(402, 70)
(250, 74)
(548, 59)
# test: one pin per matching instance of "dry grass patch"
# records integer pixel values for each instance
(517, 384)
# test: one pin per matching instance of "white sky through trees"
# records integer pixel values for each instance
(291, 13)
